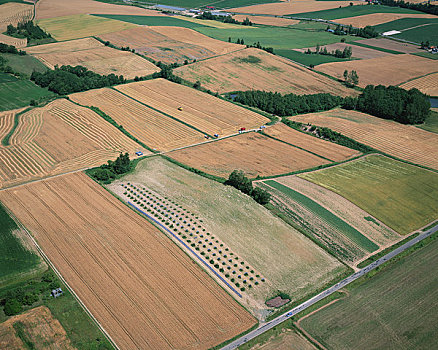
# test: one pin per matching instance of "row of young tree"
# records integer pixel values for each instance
(345, 53)
(290, 104)
(68, 79)
(238, 180)
(257, 45)
(391, 102)
(27, 30)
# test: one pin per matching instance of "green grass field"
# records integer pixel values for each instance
(352, 11)
(14, 258)
(334, 221)
(395, 309)
(153, 21)
(18, 94)
(431, 123)
(308, 59)
(24, 64)
(7, 78)
(402, 196)
(425, 54)
(426, 29)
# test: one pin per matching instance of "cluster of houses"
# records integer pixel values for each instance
(191, 12)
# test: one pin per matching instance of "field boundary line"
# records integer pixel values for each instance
(52, 266)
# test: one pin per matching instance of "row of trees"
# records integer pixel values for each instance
(224, 19)
(346, 53)
(423, 7)
(290, 104)
(5, 48)
(391, 102)
(366, 32)
(27, 30)
(257, 45)
(67, 79)
(351, 78)
(108, 172)
(238, 180)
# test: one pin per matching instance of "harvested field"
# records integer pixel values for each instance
(255, 154)
(268, 21)
(289, 261)
(40, 328)
(94, 55)
(170, 44)
(207, 113)
(322, 148)
(427, 84)
(385, 188)
(358, 51)
(402, 141)
(143, 290)
(373, 19)
(58, 138)
(393, 69)
(13, 13)
(9, 40)
(253, 69)
(57, 8)
(291, 7)
(81, 26)
(391, 45)
(339, 225)
(155, 129)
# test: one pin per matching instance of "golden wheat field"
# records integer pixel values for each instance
(13, 13)
(427, 84)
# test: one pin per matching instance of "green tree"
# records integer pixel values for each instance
(12, 307)
(238, 180)
(260, 195)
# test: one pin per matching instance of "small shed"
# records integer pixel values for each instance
(56, 292)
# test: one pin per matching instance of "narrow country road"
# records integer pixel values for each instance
(268, 325)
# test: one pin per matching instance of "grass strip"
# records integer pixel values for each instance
(376, 48)
(426, 55)
(21, 333)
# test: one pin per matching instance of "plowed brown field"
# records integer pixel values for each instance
(358, 51)
(57, 138)
(56, 8)
(13, 13)
(170, 44)
(9, 40)
(403, 141)
(203, 111)
(253, 69)
(144, 291)
(253, 153)
(373, 19)
(392, 69)
(427, 85)
(310, 143)
(391, 45)
(95, 56)
(269, 21)
(151, 127)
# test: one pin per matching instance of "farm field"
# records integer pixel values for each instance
(322, 148)
(38, 327)
(152, 127)
(395, 308)
(393, 69)
(93, 55)
(300, 57)
(16, 93)
(384, 188)
(431, 123)
(24, 64)
(289, 261)
(344, 229)
(152, 21)
(267, 21)
(255, 154)
(9, 40)
(389, 44)
(80, 26)
(413, 29)
(358, 51)
(374, 19)
(99, 245)
(284, 340)
(57, 8)
(207, 113)
(402, 141)
(168, 45)
(427, 84)
(255, 69)
(13, 13)
(57, 138)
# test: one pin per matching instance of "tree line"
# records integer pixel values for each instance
(224, 19)
(27, 30)
(345, 53)
(65, 80)
(422, 7)
(5, 48)
(238, 180)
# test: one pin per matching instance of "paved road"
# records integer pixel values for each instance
(266, 326)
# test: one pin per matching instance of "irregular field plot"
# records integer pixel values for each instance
(18, 93)
(357, 51)
(95, 56)
(255, 154)
(413, 29)
(203, 111)
(402, 196)
(373, 19)
(427, 85)
(40, 328)
(144, 290)
(24, 64)
(268, 21)
(170, 44)
(393, 69)
(81, 26)
(253, 69)
(57, 138)
(391, 45)
(148, 125)
(402, 141)
(174, 21)
(289, 261)
(326, 149)
(345, 229)
(395, 309)
(13, 13)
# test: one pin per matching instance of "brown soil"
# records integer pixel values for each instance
(269, 21)
(391, 45)
(277, 302)
(143, 290)
(373, 19)
(41, 328)
(358, 51)
(253, 69)
(253, 153)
